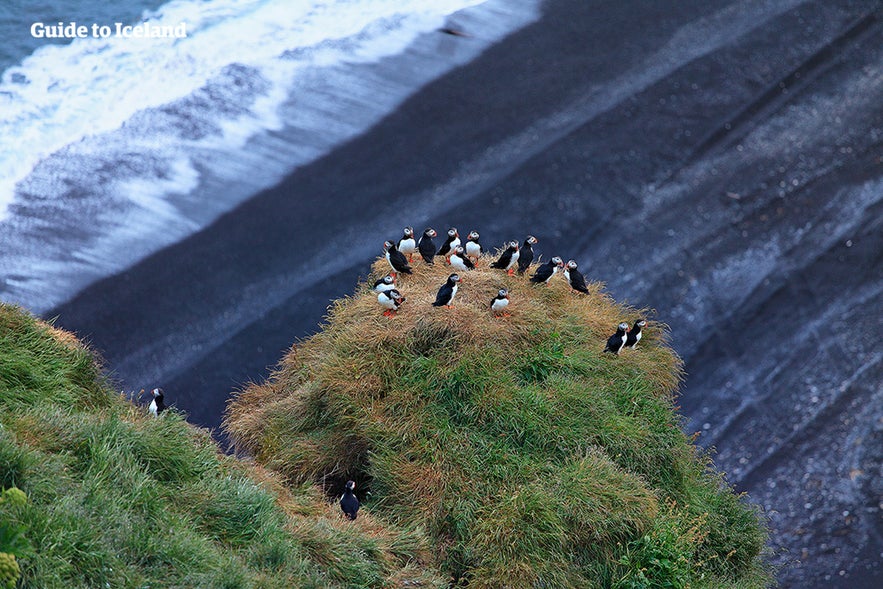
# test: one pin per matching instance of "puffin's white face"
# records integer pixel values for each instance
(351, 485)
(557, 261)
(155, 392)
(454, 278)
(513, 244)
(452, 232)
(571, 265)
(503, 293)
(409, 231)
(642, 323)
(624, 326)
(531, 239)
(387, 245)
(431, 232)
(473, 235)
(388, 279)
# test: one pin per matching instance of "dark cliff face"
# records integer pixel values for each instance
(717, 162)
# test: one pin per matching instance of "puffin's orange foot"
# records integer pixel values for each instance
(510, 271)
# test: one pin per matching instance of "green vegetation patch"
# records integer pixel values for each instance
(116, 498)
(532, 458)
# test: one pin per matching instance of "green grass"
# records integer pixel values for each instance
(531, 458)
(119, 499)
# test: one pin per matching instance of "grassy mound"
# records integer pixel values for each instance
(533, 459)
(119, 499)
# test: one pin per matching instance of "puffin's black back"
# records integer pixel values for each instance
(526, 258)
(504, 259)
(426, 247)
(543, 272)
(349, 504)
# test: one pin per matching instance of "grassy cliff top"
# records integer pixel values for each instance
(122, 500)
(532, 458)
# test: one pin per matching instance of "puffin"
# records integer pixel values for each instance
(450, 243)
(407, 244)
(575, 278)
(545, 272)
(388, 282)
(460, 261)
(390, 300)
(526, 256)
(446, 293)
(397, 260)
(635, 334)
(426, 246)
(500, 302)
(616, 342)
(348, 501)
(157, 405)
(508, 258)
(473, 248)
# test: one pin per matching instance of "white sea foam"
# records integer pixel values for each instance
(102, 138)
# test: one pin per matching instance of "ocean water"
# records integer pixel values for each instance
(112, 148)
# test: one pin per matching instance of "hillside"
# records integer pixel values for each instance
(532, 459)
(121, 500)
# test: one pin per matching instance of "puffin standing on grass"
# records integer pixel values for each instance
(545, 272)
(426, 246)
(508, 258)
(452, 241)
(407, 244)
(390, 300)
(460, 261)
(616, 342)
(575, 278)
(388, 282)
(473, 248)
(397, 260)
(500, 302)
(157, 405)
(446, 293)
(526, 257)
(634, 335)
(348, 501)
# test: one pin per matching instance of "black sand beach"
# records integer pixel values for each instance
(719, 162)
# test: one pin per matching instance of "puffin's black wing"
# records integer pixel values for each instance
(525, 259)
(399, 262)
(427, 249)
(614, 342)
(578, 281)
(504, 260)
(543, 273)
(444, 295)
(350, 505)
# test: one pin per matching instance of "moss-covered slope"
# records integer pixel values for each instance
(533, 459)
(119, 499)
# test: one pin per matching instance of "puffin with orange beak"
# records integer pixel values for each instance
(500, 302)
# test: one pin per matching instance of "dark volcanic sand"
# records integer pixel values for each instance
(719, 162)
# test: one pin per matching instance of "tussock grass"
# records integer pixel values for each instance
(530, 457)
(119, 499)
